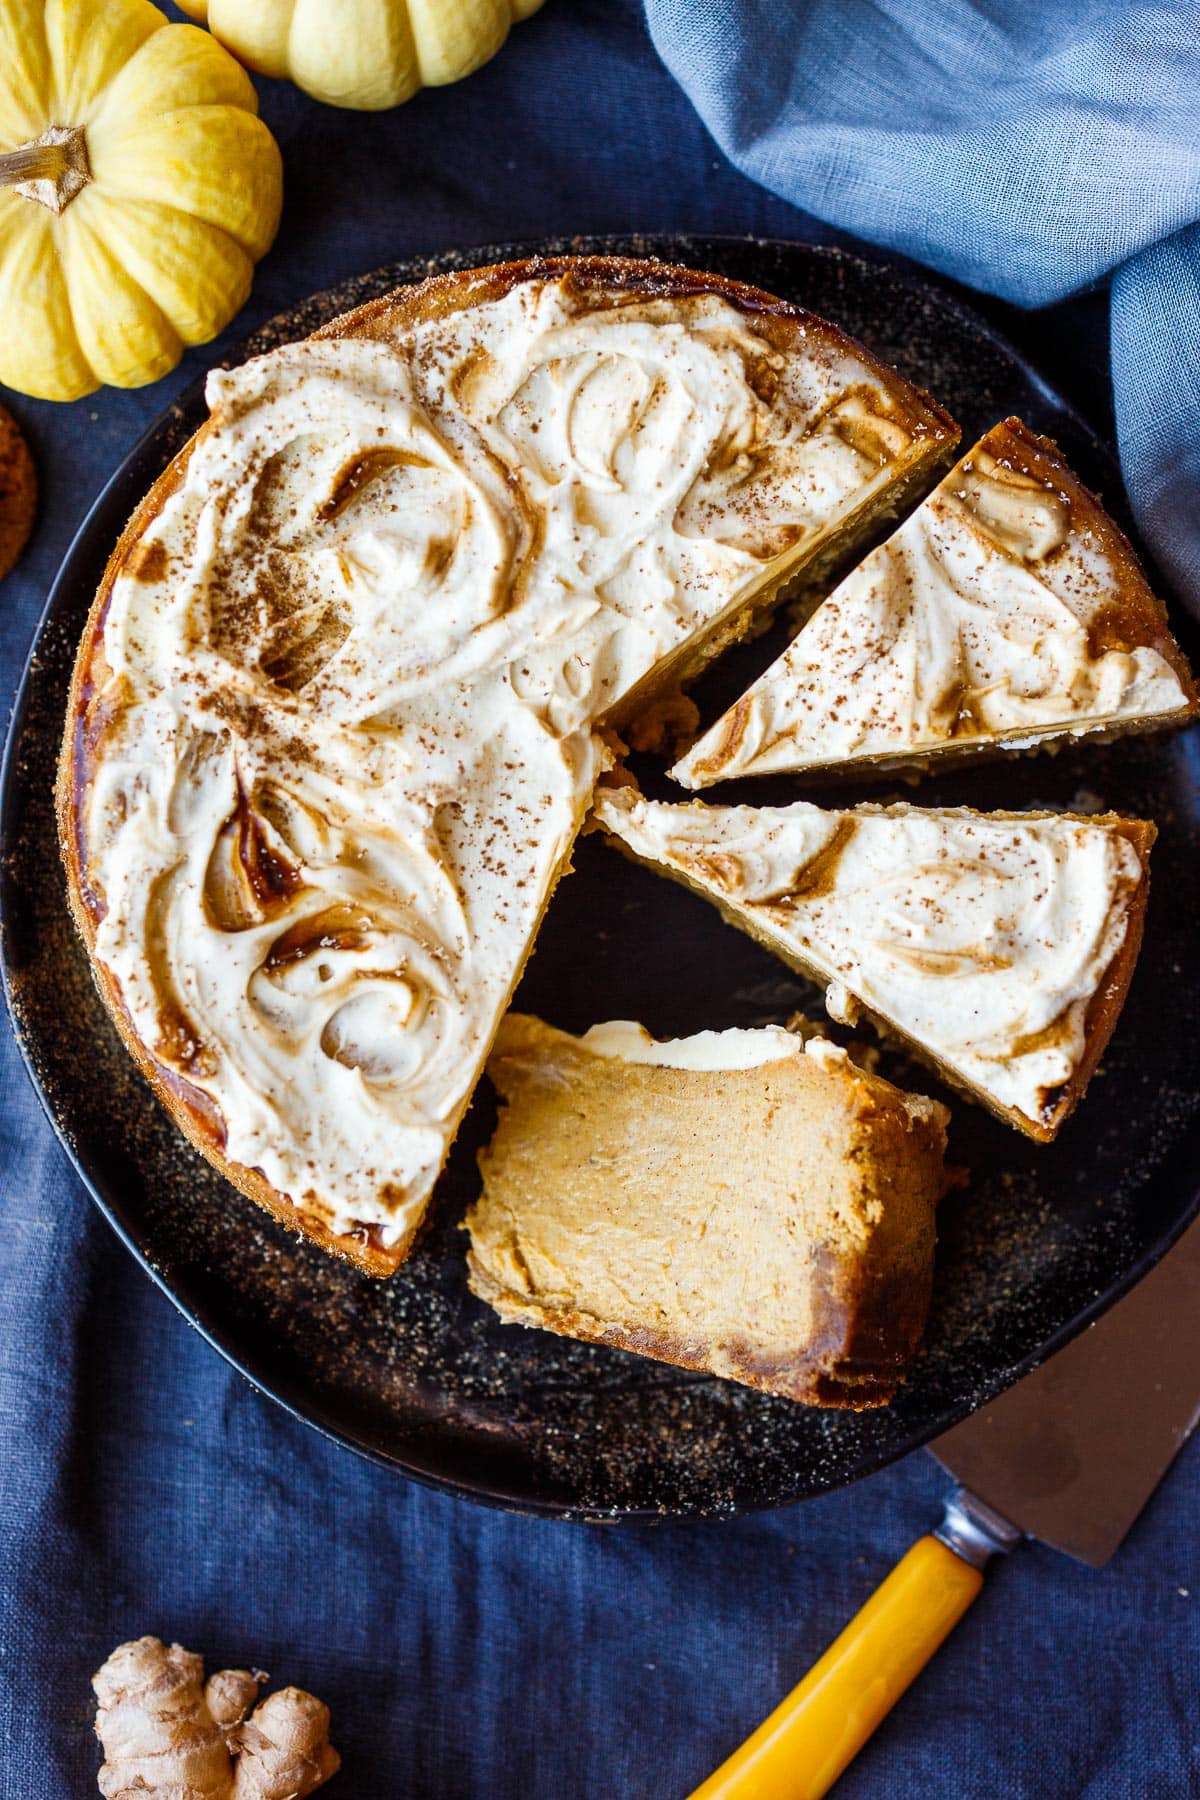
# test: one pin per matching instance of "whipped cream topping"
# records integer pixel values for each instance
(975, 620)
(342, 737)
(981, 939)
(739, 1047)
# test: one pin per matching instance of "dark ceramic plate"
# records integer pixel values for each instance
(414, 1371)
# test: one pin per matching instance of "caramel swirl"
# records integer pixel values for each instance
(982, 939)
(351, 672)
(992, 614)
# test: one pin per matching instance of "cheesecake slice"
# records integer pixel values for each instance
(335, 719)
(742, 1202)
(997, 946)
(1006, 612)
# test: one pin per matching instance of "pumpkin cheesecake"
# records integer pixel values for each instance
(998, 947)
(742, 1202)
(335, 719)
(1006, 612)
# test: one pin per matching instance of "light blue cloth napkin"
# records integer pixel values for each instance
(1031, 149)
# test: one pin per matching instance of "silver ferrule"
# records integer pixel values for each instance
(975, 1531)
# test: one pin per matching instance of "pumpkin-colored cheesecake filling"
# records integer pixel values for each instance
(742, 1202)
(341, 726)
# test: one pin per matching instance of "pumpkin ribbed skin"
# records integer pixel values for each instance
(367, 54)
(157, 250)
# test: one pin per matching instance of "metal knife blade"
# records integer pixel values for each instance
(1073, 1452)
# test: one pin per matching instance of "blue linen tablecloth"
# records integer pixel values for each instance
(1030, 150)
(467, 1654)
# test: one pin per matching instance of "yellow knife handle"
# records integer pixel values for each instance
(799, 1752)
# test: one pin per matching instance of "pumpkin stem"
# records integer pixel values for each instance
(51, 169)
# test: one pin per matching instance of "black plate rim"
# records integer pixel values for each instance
(315, 1415)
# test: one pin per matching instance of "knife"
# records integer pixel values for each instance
(1069, 1456)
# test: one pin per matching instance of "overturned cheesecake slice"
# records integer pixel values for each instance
(737, 1201)
(1007, 611)
(333, 724)
(998, 946)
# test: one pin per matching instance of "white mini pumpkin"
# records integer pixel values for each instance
(367, 54)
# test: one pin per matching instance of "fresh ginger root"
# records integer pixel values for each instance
(285, 1748)
(168, 1735)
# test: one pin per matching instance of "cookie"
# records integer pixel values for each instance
(18, 492)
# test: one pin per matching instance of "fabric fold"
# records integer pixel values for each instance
(1030, 152)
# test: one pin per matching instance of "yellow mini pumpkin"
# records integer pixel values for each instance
(137, 190)
(363, 53)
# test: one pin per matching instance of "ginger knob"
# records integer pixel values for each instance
(285, 1748)
(167, 1735)
(230, 1694)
